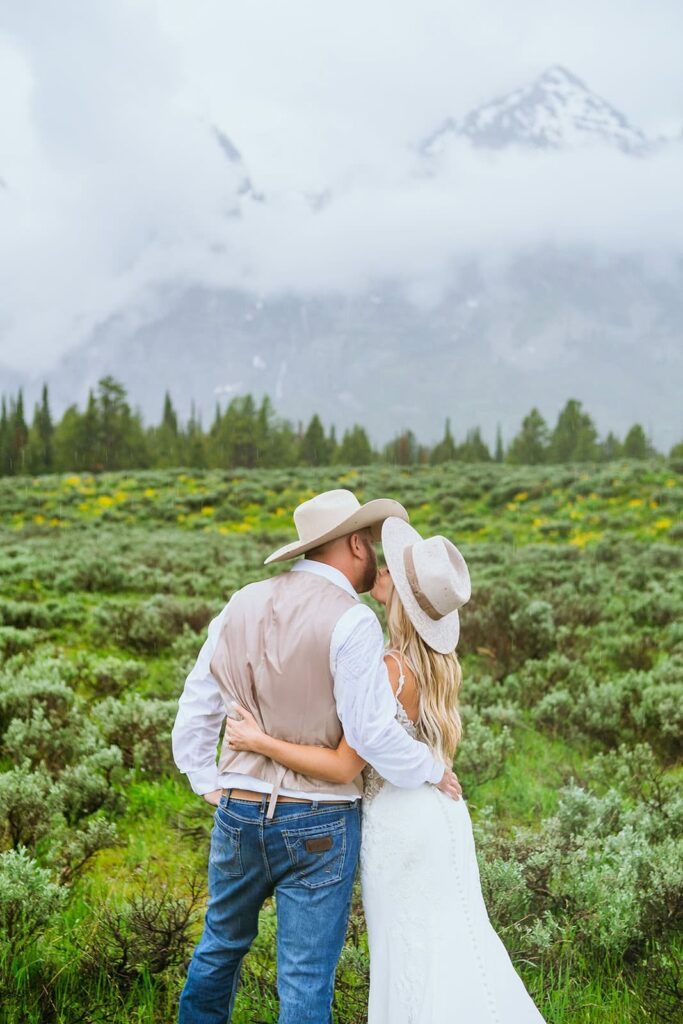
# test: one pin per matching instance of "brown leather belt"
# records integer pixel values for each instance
(250, 794)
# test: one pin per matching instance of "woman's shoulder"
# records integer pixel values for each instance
(394, 668)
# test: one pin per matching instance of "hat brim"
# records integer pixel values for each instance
(372, 514)
(443, 634)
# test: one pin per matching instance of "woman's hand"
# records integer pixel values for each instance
(246, 734)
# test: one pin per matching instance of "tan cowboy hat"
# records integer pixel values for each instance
(432, 580)
(333, 514)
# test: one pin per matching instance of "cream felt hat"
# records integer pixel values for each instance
(432, 580)
(333, 514)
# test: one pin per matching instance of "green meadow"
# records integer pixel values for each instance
(572, 704)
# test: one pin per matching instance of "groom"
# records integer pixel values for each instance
(305, 657)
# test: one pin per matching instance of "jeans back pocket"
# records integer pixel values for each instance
(226, 853)
(317, 853)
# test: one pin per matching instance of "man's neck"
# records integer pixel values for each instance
(324, 565)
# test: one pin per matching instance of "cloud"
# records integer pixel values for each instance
(115, 183)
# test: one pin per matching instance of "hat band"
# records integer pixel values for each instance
(419, 595)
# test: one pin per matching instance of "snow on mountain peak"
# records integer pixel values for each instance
(556, 111)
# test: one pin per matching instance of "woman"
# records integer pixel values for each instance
(434, 955)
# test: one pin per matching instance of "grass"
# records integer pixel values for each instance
(494, 512)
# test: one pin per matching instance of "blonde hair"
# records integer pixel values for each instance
(437, 678)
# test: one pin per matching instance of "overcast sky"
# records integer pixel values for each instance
(111, 180)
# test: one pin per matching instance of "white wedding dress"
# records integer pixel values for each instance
(435, 957)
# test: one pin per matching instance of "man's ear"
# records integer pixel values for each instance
(356, 545)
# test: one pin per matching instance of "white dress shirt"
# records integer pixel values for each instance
(365, 704)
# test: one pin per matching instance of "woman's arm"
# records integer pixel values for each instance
(333, 765)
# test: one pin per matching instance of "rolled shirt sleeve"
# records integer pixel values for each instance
(199, 720)
(367, 707)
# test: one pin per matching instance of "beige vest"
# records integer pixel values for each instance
(273, 658)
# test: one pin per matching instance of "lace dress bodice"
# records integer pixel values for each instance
(372, 780)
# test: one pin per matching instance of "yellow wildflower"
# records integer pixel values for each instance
(581, 539)
(663, 524)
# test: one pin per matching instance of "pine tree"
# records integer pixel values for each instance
(90, 455)
(635, 443)
(500, 451)
(40, 456)
(4, 439)
(403, 450)
(333, 447)
(574, 438)
(530, 445)
(164, 441)
(169, 419)
(355, 449)
(263, 432)
(611, 448)
(193, 442)
(18, 435)
(445, 450)
(314, 444)
(474, 448)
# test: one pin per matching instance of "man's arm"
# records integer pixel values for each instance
(200, 716)
(367, 707)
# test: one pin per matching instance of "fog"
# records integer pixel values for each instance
(112, 181)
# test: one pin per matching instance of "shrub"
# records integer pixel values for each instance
(108, 676)
(149, 932)
(29, 899)
(13, 640)
(141, 729)
(21, 695)
(92, 785)
(29, 805)
(77, 848)
(46, 741)
(483, 750)
(147, 626)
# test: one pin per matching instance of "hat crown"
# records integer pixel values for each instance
(439, 574)
(323, 513)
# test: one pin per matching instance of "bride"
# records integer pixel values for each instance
(435, 958)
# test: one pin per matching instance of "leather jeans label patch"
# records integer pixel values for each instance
(319, 845)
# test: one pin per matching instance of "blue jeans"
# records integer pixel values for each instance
(307, 855)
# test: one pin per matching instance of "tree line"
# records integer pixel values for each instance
(109, 435)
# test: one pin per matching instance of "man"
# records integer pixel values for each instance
(305, 657)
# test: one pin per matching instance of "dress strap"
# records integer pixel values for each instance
(401, 679)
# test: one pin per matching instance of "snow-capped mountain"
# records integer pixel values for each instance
(556, 111)
(553, 321)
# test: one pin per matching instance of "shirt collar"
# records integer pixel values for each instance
(327, 571)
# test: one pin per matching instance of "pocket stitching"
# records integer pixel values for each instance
(299, 834)
(235, 839)
(333, 826)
